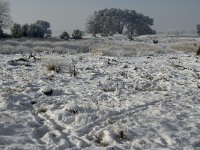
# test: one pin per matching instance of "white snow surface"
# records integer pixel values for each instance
(113, 103)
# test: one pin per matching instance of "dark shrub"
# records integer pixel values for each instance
(77, 34)
(65, 35)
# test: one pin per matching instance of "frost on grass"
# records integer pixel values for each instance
(53, 63)
(147, 101)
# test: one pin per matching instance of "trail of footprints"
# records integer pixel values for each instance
(74, 124)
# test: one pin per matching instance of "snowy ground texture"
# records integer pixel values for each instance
(114, 103)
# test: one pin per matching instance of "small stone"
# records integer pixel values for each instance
(47, 90)
(198, 85)
(33, 102)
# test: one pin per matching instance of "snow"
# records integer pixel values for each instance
(145, 101)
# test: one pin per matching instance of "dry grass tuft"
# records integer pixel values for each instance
(54, 67)
(42, 110)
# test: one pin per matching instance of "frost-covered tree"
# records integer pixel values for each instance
(106, 22)
(5, 19)
(93, 24)
(113, 20)
(138, 24)
(198, 29)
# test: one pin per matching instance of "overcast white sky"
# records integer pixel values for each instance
(71, 14)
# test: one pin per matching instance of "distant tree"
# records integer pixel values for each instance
(25, 30)
(93, 25)
(105, 22)
(16, 30)
(198, 29)
(138, 24)
(113, 20)
(77, 34)
(65, 35)
(35, 31)
(45, 26)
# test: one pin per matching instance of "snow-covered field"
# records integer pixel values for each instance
(149, 100)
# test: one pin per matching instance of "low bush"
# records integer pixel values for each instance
(65, 36)
(77, 34)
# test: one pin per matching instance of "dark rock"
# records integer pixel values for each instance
(155, 41)
(198, 51)
(47, 91)
(33, 102)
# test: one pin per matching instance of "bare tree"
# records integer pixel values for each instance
(5, 19)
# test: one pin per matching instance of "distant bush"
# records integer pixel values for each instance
(1, 32)
(104, 34)
(130, 37)
(198, 51)
(77, 34)
(4, 35)
(65, 35)
(198, 29)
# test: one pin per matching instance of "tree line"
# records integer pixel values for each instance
(105, 22)
(39, 29)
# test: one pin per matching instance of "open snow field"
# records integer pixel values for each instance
(149, 100)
